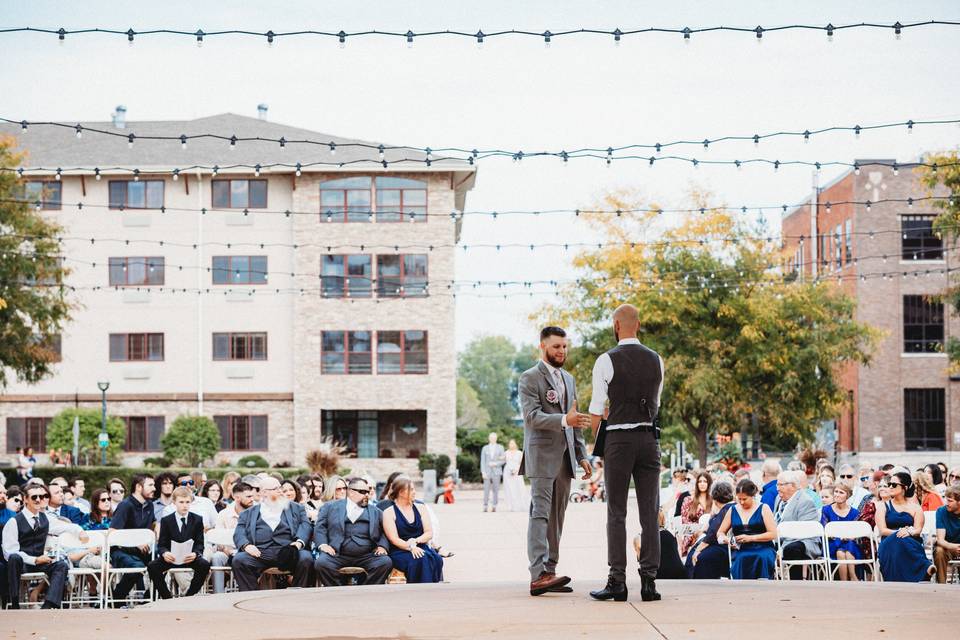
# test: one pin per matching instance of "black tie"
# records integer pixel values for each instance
(183, 523)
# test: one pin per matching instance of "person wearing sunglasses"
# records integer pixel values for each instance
(24, 539)
(953, 477)
(11, 501)
(118, 490)
(900, 521)
(349, 533)
(99, 517)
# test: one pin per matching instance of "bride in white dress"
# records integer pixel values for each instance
(515, 490)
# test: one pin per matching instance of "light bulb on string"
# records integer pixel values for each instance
(829, 28)
(79, 131)
(183, 142)
(130, 139)
(410, 39)
(333, 148)
(233, 142)
(759, 32)
(897, 28)
(910, 124)
(342, 37)
(199, 35)
(616, 37)
(176, 174)
(130, 34)
(686, 35)
(479, 36)
(546, 39)
(270, 34)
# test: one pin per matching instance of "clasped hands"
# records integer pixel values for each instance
(577, 420)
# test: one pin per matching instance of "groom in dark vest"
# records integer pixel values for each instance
(630, 376)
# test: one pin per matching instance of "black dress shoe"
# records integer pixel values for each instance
(613, 591)
(49, 605)
(648, 589)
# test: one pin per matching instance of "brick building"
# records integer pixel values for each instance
(357, 345)
(904, 406)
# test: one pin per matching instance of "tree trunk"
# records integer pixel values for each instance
(701, 434)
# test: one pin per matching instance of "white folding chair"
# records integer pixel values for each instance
(929, 533)
(850, 530)
(222, 538)
(111, 574)
(798, 530)
(79, 576)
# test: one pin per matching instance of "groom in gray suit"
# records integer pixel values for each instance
(553, 449)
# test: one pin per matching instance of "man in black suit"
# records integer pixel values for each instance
(180, 526)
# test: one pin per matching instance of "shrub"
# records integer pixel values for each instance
(326, 459)
(469, 467)
(473, 441)
(191, 440)
(252, 462)
(60, 434)
(439, 462)
(158, 461)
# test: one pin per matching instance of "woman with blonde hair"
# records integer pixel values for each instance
(230, 478)
(335, 488)
(839, 510)
(927, 495)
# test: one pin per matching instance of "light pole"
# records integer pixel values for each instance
(104, 439)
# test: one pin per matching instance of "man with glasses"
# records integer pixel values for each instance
(855, 481)
(135, 512)
(24, 538)
(349, 533)
(274, 533)
(795, 505)
(201, 506)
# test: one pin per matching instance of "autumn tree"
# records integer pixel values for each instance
(738, 338)
(33, 302)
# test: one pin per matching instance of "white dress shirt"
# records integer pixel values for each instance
(201, 506)
(354, 510)
(11, 534)
(602, 375)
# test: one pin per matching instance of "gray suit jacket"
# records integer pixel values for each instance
(547, 446)
(293, 516)
(332, 519)
(492, 459)
(800, 508)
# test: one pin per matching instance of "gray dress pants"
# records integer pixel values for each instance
(548, 505)
(491, 482)
(632, 454)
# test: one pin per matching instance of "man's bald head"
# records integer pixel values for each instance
(626, 321)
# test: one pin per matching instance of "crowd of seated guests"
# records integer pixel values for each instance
(725, 525)
(305, 529)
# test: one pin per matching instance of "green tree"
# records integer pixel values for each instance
(191, 440)
(33, 300)
(487, 364)
(945, 181)
(60, 434)
(470, 413)
(737, 337)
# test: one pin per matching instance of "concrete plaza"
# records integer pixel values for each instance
(487, 597)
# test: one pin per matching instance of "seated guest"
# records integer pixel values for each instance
(314, 496)
(180, 526)
(24, 538)
(290, 491)
(771, 471)
(79, 487)
(336, 489)
(383, 500)
(254, 482)
(901, 554)
(99, 517)
(349, 533)
(937, 481)
(753, 529)
(273, 533)
(694, 506)
(214, 492)
(227, 519)
(12, 502)
(201, 506)
(61, 510)
(926, 494)
(670, 567)
(708, 560)
(117, 490)
(948, 533)
(795, 505)
(229, 479)
(134, 512)
(166, 482)
(409, 532)
(953, 477)
(841, 511)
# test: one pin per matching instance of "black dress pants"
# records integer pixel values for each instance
(159, 567)
(795, 551)
(56, 574)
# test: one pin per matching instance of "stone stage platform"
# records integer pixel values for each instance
(690, 609)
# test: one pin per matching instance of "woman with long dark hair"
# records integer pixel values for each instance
(214, 491)
(694, 506)
(101, 509)
(900, 521)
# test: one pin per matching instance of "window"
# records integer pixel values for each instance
(346, 200)
(48, 194)
(140, 194)
(239, 270)
(924, 419)
(922, 325)
(401, 352)
(136, 271)
(377, 434)
(242, 433)
(143, 433)
(239, 194)
(400, 199)
(837, 247)
(918, 241)
(401, 276)
(848, 240)
(346, 352)
(136, 346)
(240, 346)
(27, 432)
(347, 275)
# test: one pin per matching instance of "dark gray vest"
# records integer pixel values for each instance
(32, 540)
(634, 390)
(265, 538)
(356, 537)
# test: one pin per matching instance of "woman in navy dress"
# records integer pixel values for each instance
(901, 554)
(753, 528)
(407, 527)
(841, 511)
(708, 559)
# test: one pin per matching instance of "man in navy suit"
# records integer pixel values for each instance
(349, 533)
(179, 526)
(274, 533)
(63, 511)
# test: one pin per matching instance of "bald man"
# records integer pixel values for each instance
(630, 376)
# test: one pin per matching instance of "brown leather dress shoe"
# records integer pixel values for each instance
(547, 582)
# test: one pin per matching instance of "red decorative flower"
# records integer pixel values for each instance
(552, 396)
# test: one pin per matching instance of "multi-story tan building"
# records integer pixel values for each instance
(302, 295)
(872, 235)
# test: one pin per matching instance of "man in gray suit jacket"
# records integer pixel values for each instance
(795, 505)
(349, 533)
(492, 459)
(553, 449)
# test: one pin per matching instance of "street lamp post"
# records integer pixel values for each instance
(104, 439)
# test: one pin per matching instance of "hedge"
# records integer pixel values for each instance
(97, 477)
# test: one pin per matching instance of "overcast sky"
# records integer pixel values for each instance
(515, 93)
